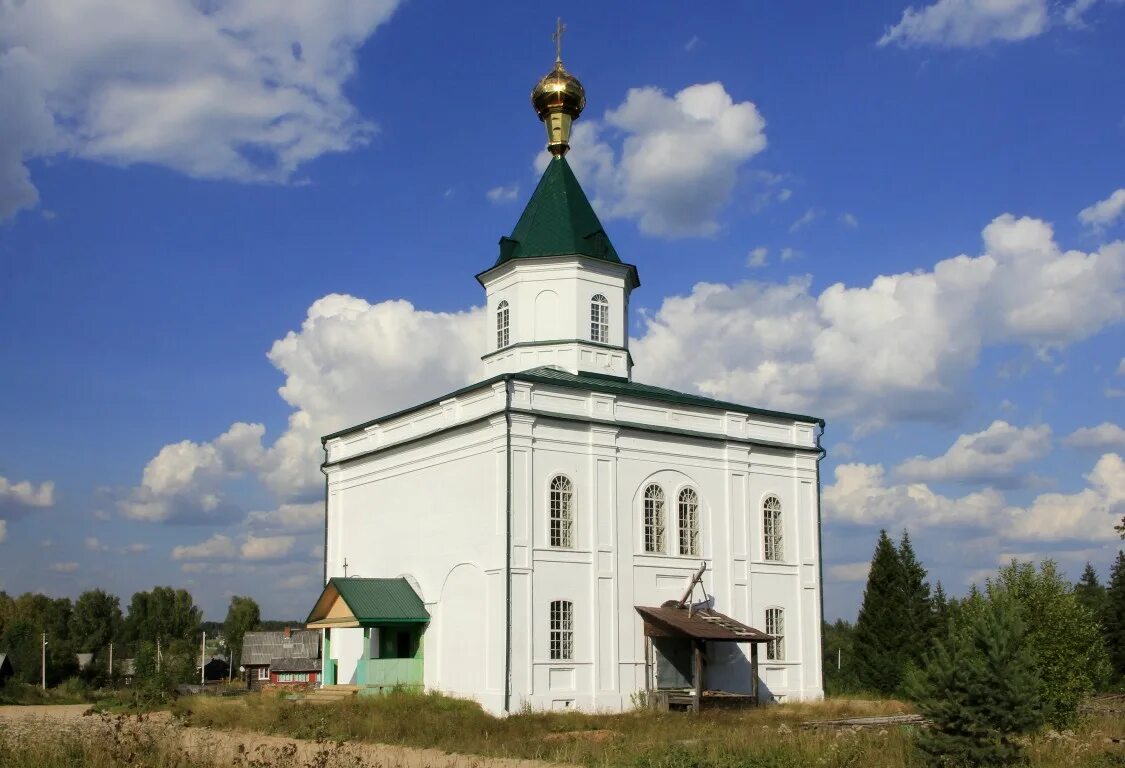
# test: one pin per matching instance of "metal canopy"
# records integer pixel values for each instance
(698, 624)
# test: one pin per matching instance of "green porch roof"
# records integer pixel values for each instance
(372, 601)
(558, 221)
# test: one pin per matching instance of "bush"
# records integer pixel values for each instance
(979, 687)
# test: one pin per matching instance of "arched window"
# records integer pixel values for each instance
(561, 510)
(599, 319)
(771, 528)
(502, 325)
(654, 519)
(689, 522)
(775, 626)
(562, 629)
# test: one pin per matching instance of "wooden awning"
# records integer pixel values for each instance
(698, 624)
(357, 602)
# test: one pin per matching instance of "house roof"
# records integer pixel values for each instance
(295, 665)
(699, 623)
(4, 661)
(558, 221)
(259, 648)
(357, 602)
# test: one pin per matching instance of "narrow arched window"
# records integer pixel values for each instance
(502, 325)
(599, 319)
(689, 522)
(562, 630)
(561, 510)
(654, 519)
(775, 627)
(771, 529)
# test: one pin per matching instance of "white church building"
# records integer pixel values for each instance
(527, 540)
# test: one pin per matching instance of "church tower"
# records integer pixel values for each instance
(558, 295)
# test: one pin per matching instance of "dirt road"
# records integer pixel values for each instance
(224, 748)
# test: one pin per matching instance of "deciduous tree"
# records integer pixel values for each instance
(243, 615)
(96, 621)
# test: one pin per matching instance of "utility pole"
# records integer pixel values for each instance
(158, 655)
(111, 662)
(839, 656)
(43, 660)
(202, 663)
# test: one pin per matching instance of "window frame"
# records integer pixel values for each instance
(773, 529)
(687, 521)
(503, 325)
(775, 626)
(560, 623)
(263, 674)
(560, 513)
(599, 319)
(654, 520)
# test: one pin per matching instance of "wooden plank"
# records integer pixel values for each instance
(866, 722)
(697, 673)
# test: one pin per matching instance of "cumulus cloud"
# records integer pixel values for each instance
(897, 349)
(289, 518)
(503, 194)
(1104, 213)
(668, 162)
(26, 495)
(218, 547)
(343, 346)
(849, 571)
(757, 257)
(993, 455)
(221, 90)
(1105, 436)
(266, 547)
(969, 23)
(94, 544)
(861, 495)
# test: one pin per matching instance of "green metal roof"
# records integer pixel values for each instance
(558, 221)
(619, 386)
(374, 601)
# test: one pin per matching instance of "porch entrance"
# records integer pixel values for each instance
(393, 619)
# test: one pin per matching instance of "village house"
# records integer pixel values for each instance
(530, 539)
(283, 657)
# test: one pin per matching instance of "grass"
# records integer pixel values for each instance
(70, 692)
(767, 738)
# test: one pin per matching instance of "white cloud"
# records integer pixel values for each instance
(673, 161)
(3, 530)
(232, 90)
(94, 544)
(995, 454)
(1121, 367)
(808, 217)
(859, 495)
(757, 257)
(218, 547)
(503, 194)
(784, 195)
(898, 349)
(849, 220)
(25, 495)
(969, 23)
(289, 518)
(344, 344)
(1105, 436)
(1104, 213)
(789, 253)
(69, 567)
(297, 581)
(267, 547)
(849, 571)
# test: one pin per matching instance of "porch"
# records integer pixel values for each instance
(393, 620)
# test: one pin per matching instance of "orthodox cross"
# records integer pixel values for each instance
(557, 37)
(345, 567)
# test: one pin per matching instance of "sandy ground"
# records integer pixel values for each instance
(229, 748)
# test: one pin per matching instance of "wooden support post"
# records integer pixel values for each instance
(754, 682)
(697, 672)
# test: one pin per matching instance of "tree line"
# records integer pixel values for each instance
(160, 630)
(1001, 661)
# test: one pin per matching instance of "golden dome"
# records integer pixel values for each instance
(558, 91)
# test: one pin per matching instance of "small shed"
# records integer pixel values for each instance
(295, 672)
(216, 668)
(6, 670)
(260, 650)
(676, 638)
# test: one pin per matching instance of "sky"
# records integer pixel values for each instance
(228, 227)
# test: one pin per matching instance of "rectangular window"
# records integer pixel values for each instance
(775, 626)
(654, 519)
(772, 530)
(599, 319)
(263, 673)
(562, 630)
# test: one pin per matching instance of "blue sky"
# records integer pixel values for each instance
(200, 207)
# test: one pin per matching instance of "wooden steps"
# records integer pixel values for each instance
(330, 694)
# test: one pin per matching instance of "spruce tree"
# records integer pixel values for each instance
(1113, 625)
(917, 602)
(1091, 593)
(881, 633)
(978, 687)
